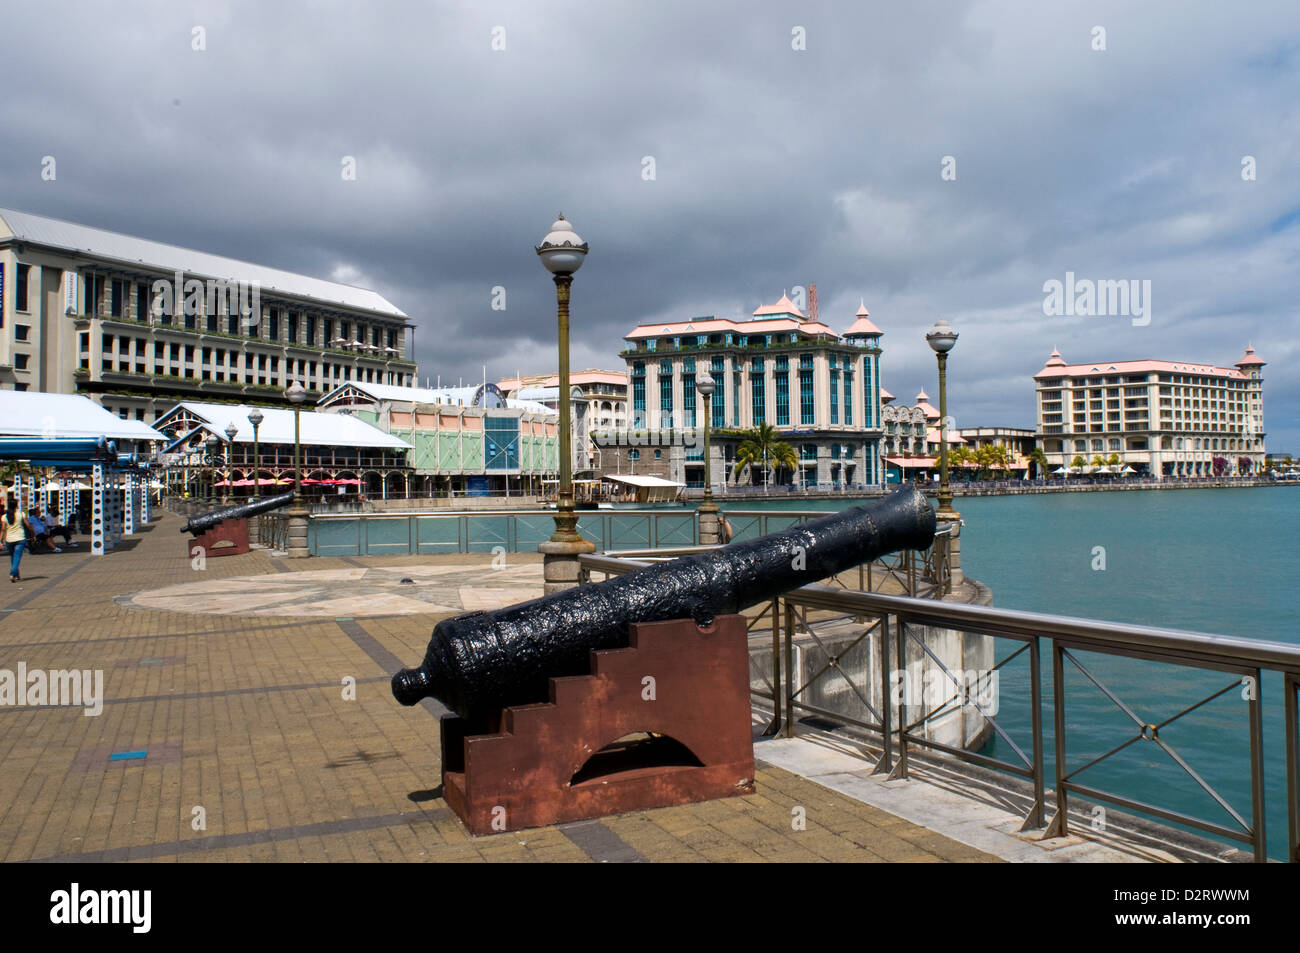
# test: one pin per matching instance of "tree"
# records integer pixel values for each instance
(1097, 461)
(1039, 461)
(1113, 461)
(1220, 465)
(1078, 463)
(1244, 464)
(764, 443)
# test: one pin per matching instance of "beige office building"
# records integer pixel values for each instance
(138, 325)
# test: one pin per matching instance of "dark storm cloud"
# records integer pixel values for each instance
(774, 167)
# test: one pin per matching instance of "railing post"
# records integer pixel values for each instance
(1291, 685)
(1060, 825)
(775, 726)
(899, 772)
(886, 700)
(1260, 839)
(1035, 818)
(789, 667)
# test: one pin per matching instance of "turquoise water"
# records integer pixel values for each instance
(1220, 561)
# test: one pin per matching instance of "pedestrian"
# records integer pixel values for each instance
(14, 527)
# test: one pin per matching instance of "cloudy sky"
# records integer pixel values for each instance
(711, 163)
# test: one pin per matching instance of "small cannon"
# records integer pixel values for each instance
(631, 693)
(224, 532)
(201, 524)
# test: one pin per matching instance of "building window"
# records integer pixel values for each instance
(117, 294)
(835, 390)
(719, 375)
(20, 288)
(638, 393)
(666, 394)
(311, 330)
(21, 361)
(848, 395)
(782, 392)
(688, 392)
(94, 290)
(142, 302)
(273, 324)
(807, 407)
(22, 332)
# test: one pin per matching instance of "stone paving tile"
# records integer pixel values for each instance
(244, 718)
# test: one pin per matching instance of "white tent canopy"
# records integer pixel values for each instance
(61, 416)
(316, 429)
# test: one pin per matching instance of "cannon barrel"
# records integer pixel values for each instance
(201, 524)
(478, 663)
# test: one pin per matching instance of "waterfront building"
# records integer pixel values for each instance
(464, 440)
(339, 457)
(597, 402)
(1162, 418)
(138, 325)
(819, 389)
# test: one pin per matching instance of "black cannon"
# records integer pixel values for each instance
(201, 524)
(479, 663)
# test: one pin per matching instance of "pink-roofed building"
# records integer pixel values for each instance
(1161, 418)
(820, 388)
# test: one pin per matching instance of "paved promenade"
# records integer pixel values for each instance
(226, 731)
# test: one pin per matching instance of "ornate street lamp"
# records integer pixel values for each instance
(296, 394)
(231, 432)
(941, 339)
(256, 418)
(563, 252)
(708, 509)
(212, 443)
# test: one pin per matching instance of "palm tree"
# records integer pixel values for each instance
(1039, 460)
(763, 444)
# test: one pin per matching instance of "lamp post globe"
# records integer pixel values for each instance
(562, 251)
(256, 418)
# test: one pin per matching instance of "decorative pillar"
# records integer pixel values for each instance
(128, 505)
(97, 510)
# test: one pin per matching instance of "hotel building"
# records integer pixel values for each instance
(1162, 418)
(819, 389)
(81, 311)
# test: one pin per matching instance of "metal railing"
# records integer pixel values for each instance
(898, 633)
(273, 531)
(467, 531)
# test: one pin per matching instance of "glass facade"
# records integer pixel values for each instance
(807, 405)
(835, 389)
(758, 389)
(501, 443)
(666, 394)
(638, 394)
(782, 392)
(719, 374)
